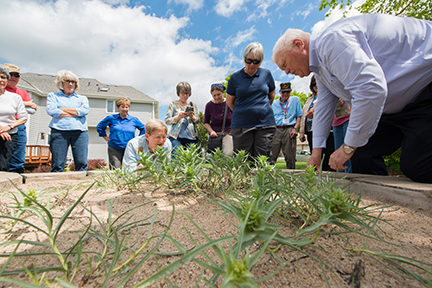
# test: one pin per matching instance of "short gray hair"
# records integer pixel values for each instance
(285, 42)
(4, 70)
(256, 49)
(66, 75)
(184, 86)
(155, 125)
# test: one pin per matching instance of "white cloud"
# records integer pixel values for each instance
(227, 7)
(116, 45)
(240, 38)
(301, 84)
(115, 2)
(336, 15)
(306, 12)
(260, 11)
(193, 4)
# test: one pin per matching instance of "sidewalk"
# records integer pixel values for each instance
(391, 190)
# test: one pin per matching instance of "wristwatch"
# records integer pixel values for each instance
(11, 126)
(347, 149)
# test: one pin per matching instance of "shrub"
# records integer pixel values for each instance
(393, 163)
(92, 164)
(42, 169)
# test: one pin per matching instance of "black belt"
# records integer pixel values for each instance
(285, 126)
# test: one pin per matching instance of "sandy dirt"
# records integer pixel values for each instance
(412, 234)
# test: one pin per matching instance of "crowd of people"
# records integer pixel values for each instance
(367, 100)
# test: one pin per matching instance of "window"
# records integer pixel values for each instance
(111, 108)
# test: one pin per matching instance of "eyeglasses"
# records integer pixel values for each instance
(158, 138)
(16, 75)
(3, 77)
(254, 61)
(69, 81)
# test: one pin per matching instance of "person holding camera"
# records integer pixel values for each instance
(181, 118)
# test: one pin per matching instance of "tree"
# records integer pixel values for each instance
(303, 97)
(421, 9)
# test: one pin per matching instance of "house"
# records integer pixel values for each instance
(101, 98)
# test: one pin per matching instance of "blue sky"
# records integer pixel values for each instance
(151, 44)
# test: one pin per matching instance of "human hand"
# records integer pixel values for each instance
(182, 114)
(30, 104)
(338, 159)
(4, 128)
(315, 159)
(106, 138)
(302, 137)
(213, 134)
(310, 113)
(293, 133)
(5, 136)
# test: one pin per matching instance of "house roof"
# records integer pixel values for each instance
(43, 84)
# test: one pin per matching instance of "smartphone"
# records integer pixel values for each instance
(189, 108)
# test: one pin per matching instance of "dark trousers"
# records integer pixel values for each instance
(255, 141)
(115, 157)
(17, 162)
(326, 152)
(410, 129)
(6, 150)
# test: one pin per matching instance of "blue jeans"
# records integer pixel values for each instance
(19, 155)
(339, 138)
(176, 143)
(59, 144)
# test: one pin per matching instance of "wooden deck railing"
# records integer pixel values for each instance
(36, 155)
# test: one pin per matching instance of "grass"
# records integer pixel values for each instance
(280, 164)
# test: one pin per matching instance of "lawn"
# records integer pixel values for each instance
(299, 165)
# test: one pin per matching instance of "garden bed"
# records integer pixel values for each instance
(200, 221)
(411, 234)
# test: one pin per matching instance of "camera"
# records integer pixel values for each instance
(189, 108)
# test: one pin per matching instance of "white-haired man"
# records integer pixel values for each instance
(382, 65)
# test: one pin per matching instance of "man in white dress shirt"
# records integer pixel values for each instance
(382, 65)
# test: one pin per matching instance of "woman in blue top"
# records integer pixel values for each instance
(250, 93)
(122, 129)
(69, 124)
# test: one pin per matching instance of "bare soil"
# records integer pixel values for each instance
(411, 232)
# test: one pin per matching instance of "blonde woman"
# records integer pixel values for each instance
(68, 126)
(122, 129)
(250, 94)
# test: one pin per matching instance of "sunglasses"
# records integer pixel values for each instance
(16, 75)
(69, 81)
(254, 61)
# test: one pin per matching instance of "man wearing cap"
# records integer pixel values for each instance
(18, 158)
(287, 112)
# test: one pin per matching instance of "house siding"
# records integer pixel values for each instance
(37, 124)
